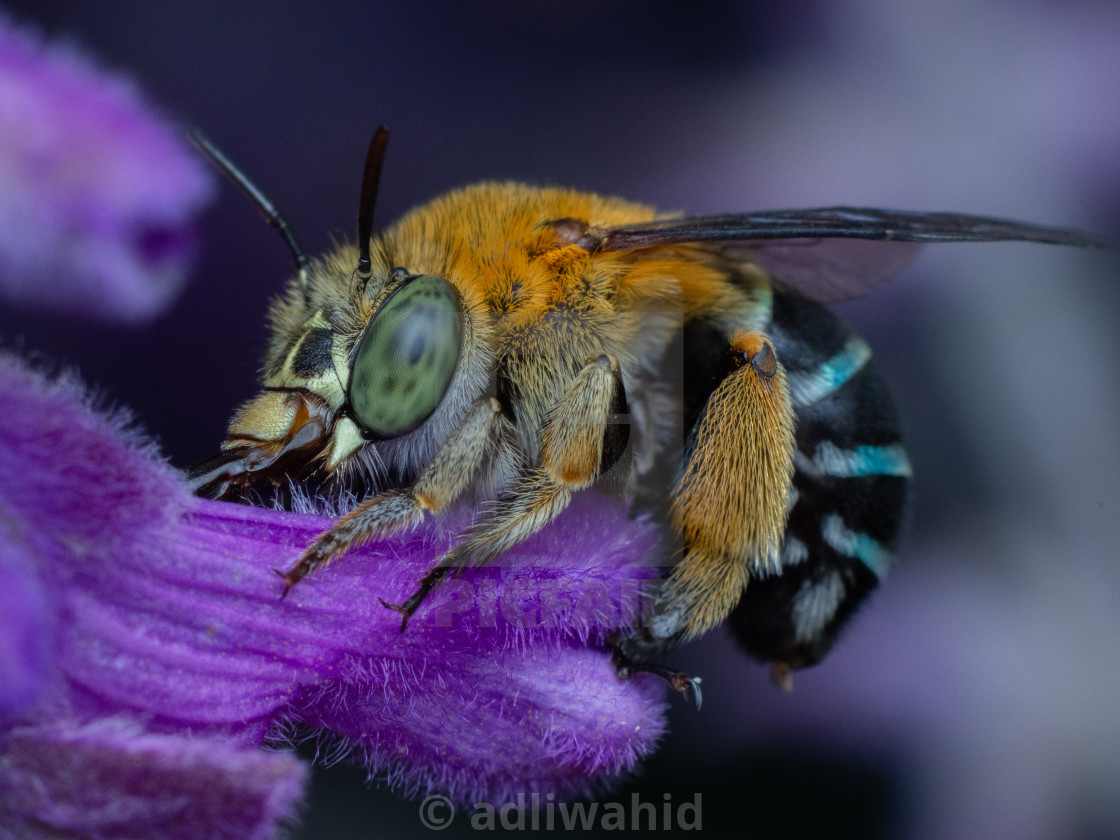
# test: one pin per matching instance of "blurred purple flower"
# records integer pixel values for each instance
(110, 778)
(96, 191)
(153, 645)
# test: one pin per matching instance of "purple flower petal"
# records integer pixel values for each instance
(111, 779)
(25, 652)
(96, 191)
(165, 610)
(484, 728)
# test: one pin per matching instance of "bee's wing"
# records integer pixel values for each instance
(832, 270)
(827, 253)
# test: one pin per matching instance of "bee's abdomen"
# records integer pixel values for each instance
(850, 487)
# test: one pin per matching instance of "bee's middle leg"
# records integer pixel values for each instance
(578, 444)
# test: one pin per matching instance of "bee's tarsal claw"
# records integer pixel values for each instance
(404, 609)
(688, 687)
(288, 582)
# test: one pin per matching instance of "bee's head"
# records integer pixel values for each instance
(329, 393)
(329, 390)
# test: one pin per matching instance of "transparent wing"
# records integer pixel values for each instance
(832, 253)
(832, 270)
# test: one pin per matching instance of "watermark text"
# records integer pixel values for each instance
(534, 812)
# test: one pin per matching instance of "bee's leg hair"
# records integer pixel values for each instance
(572, 457)
(731, 503)
(439, 484)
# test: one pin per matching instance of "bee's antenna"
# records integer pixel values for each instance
(250, 190)
(371, 177)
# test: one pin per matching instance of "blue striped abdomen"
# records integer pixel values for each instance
(850, 487)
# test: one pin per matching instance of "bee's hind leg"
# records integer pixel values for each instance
(579, 443)
(729, 507)
(625, 667)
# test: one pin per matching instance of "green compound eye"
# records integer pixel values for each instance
(406, 358)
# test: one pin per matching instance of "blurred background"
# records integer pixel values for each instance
(977, 693)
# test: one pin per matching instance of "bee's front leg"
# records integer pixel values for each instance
(440, 483)
(579, 443)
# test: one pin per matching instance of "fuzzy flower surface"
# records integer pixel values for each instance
(98, 191)
(151, 644)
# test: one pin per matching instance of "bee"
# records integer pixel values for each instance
(520, 345)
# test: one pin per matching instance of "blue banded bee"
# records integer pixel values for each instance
(483, 345)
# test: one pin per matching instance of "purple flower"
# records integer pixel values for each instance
(96, 192)
(154, 645)
(110, 778)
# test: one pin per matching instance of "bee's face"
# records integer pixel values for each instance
(351, 366)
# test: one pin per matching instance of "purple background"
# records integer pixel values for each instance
(976, 695)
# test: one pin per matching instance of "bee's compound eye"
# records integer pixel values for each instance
(407, 357)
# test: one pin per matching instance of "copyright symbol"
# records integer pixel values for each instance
(436, 812)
